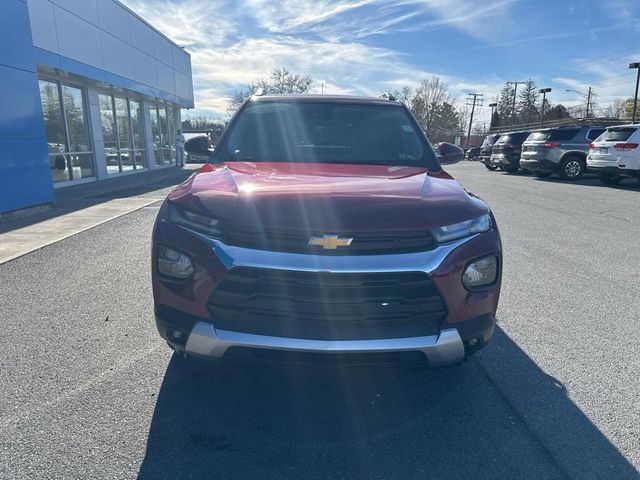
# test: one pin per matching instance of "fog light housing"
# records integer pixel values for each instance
(481, 272)
(174, 264)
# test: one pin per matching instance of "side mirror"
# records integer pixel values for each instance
(448, 153)
(198, 147)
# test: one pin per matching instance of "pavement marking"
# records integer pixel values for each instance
(19, 242)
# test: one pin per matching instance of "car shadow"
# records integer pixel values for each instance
(630, 184)
(454, 422)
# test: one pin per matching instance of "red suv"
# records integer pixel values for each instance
(324, 226)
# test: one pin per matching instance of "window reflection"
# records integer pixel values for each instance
(122, 129)
(67, 131)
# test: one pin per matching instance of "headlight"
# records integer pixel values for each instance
(194, 221)
(174, 264)
(462, 229)
(481, 272)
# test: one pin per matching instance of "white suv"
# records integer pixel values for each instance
(615, 154)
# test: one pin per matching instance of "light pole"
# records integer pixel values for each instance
(635, 66)
(544, 92)
(493, 106)
(513, 107)
(585, 95)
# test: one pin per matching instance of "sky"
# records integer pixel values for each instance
(365, 47)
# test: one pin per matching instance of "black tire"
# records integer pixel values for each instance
(610, 178)
(542, 174)
(509, 168)
(475, 158)
(572, 168)
(490, 167)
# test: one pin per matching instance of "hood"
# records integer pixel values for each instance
(327, 197)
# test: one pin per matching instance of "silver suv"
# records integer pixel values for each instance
(561, 150)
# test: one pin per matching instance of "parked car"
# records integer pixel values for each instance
(615, 155)
(505, 153)
(485, 150)
(561, 150)
(472, 153)
(325, 225)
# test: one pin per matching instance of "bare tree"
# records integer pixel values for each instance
(430, 96)
(620, 108)
(280, 80)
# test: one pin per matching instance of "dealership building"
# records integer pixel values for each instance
(88, 91)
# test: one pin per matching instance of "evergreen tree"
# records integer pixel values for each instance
(527, 106)
(495, 120)
(505, 103)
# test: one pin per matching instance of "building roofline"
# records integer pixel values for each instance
(155, 29)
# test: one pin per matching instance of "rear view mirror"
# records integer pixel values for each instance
(448, 153)
(198, 147)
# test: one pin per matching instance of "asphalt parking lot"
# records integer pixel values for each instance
(89, 390)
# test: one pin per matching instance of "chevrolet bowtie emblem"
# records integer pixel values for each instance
(330, 242)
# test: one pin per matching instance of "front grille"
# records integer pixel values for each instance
(296, 241)
(327, 306)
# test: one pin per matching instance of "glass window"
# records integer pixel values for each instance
(67, 130)
(107, 119)
(326, 132)
(542, 136)
(79, 139)
(563, 134)
(618, 134)
(137, 130)
(136, 123)
(155, 132)
(124, 134)
(54, 128)
(163, 131)
(595, 133)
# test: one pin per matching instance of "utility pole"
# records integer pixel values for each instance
(322, 88)
(635, 97)
(588, 101)
(472, 98)
(513, 107)
(544, 92)
(493, 106)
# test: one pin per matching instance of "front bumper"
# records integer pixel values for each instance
(443, 349)
(183, 307)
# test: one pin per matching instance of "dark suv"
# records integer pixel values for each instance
(485, 149)
(561, 150)
(505, 153)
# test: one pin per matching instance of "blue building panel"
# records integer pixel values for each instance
(15, 30)
(25, 175)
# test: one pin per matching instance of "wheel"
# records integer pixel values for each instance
(491, 167)
(542, 174)
(509, 168)
(610, 178)
(572, 168)
(475, 158)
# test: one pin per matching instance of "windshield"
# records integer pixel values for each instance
(324, 132)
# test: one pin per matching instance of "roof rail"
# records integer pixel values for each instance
(387, 96)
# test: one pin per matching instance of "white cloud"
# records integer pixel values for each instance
(233, 43)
